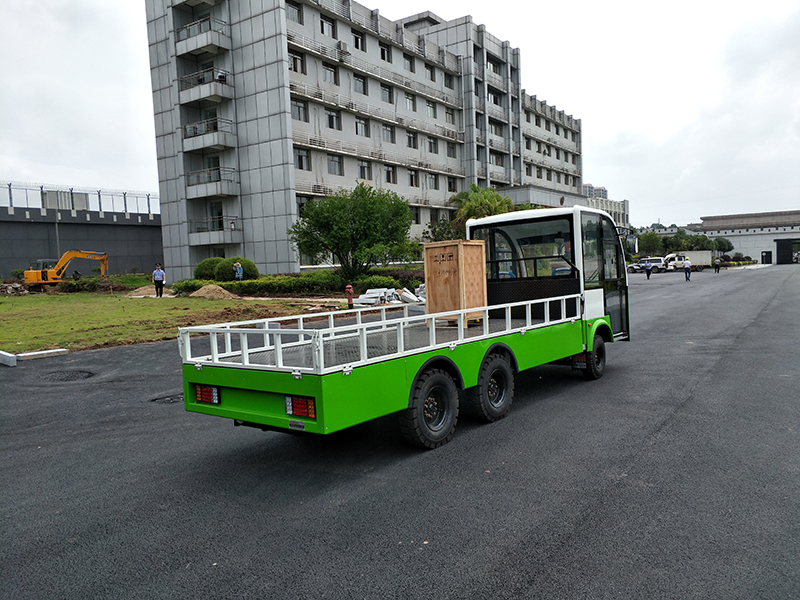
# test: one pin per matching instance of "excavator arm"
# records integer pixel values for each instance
(56, 274)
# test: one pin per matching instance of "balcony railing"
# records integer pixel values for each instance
(208, 126)
(212, 175)
(212, 75)
(215, 224)
(201, 26)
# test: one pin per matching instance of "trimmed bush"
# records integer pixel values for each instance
(362, 284)
(17, 273)
(224, 270)
(205, 268)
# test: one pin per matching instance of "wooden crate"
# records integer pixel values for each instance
(455, 276)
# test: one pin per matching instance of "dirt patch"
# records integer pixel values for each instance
(148, 290)
(213, 292)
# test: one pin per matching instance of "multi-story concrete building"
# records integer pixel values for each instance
(262, 105)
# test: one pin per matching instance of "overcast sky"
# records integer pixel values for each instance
(688, 108)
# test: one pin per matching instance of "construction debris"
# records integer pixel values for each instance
(13, 289)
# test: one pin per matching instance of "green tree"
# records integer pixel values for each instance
(676, 243)
(358, 229)
(440, 231)
(650, 244)
(700, 242)
(723, 244)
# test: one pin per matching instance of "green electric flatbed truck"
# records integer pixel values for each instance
(556, 293)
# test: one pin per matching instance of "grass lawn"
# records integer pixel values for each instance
(82, 321)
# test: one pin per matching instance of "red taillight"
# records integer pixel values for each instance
(207, 393)
(301, 407)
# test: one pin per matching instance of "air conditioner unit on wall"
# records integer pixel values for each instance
(344, 47)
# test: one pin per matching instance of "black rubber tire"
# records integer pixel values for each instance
(491, 399)
(699, 268)
(656, 270)
(431, 419)
(596, 359)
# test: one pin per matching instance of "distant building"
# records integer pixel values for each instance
(262, 105)
(769, 237)
(591, 191)
(44, 221)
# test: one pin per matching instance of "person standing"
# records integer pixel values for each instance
(159, 278)
(687, 269)
(648, 268)
(716, 265)
(238, 271)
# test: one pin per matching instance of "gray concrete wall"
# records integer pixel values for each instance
(130, 240)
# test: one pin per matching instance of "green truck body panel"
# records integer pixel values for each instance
(257, 396)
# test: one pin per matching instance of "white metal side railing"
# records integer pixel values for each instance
(318, 344)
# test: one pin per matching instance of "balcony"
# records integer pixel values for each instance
(206, 35)
(214, 85)
(215, 231)
(211, 134)
(193, 3)
(216, 182)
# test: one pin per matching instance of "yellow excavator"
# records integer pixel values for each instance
(50, 270)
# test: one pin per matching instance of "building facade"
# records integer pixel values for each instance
(769, 237)
(261, 106)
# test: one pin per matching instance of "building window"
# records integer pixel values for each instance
(549, 175)
(451, 150)
(529, 169)
(574, 159)
(430, 72)
(433, 181)
(558, 130)
(334, 118)
(408, 62)
(300, 110)
(388, 133)
(538, 121)
(411, 102)
(528, 143)
(538, 172)
(387, 93)
(558, 154)
(327, 26)
(431, 108)
(495, 67)
(413, 178)
(450, 116)
(335, 166)
(359, 43)
(448, 81)
(496, 128)
(294, 12)
(415, 214)
(495, 98)
(330, 74)
(386, 52)
(495, 159)
(451, 184)
(558, 177)
(362, 127)
(434, 215)
(360, 84)
(391, 173)
(302, 160)
(433, 145)
(547, 125)
(411, 139)
(528, 116)
(539, 147)
(297, 62)
(364, 169)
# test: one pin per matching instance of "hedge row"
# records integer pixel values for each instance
(312, 282)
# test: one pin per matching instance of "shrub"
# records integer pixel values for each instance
(747, 258)
(186, 286)
(205, 268)
(407, 278)
(132, 270)
(726, 258)
(17, 273)
(362, 284)
(224, 270)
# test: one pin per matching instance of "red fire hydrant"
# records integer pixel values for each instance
(349, 290)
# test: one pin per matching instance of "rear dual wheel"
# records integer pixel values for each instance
(491, 399)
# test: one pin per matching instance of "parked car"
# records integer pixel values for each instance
(657, 263)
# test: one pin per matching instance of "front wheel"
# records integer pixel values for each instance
(596, 359)
(699, 268)
(431, 419)
(491, 399)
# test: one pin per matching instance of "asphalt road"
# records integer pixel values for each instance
(677, 475)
